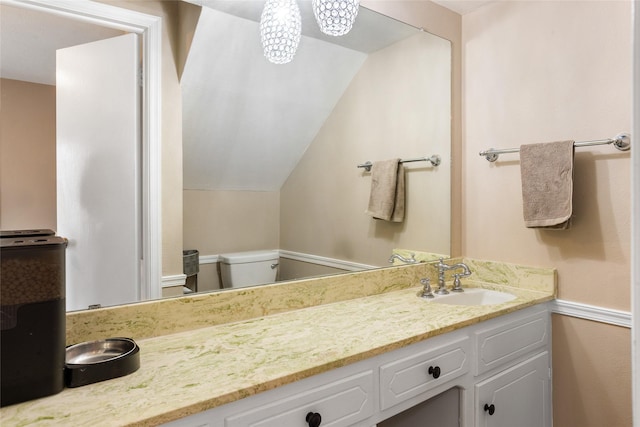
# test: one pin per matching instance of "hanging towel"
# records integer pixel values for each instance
(398, 205)
(547, 184)
(386, 200)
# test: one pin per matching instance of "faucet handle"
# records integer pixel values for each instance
(426, 291)
(457, 287)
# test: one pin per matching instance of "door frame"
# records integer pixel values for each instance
(635, 224)
(149, 28)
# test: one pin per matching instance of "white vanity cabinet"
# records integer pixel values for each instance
(339, 403)
(501, 368)
(513, 371)
(338, 398)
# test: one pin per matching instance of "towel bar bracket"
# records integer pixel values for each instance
(622, 142)
(366, 165)
(492, 157)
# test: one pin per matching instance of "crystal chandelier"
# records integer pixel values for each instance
(335, 17)
(280, 30)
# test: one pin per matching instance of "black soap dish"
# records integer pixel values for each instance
(95, 361)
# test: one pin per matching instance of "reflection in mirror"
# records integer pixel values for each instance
(270, 152)
(67, 162)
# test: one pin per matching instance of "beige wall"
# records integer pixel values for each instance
(292, 269)
(591, 374)
(217, 222)
(377, 117)
(27, 155)
(544, 71)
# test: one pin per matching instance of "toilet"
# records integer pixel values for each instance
(241, 269)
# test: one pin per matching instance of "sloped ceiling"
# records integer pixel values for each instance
(247, 122)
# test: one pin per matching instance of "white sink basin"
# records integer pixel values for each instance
(474, 296)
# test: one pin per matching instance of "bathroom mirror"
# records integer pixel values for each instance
(384, 92)
(270, 152)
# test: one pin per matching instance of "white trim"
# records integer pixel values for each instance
(152, 143)
(635, 221)
(591, 312)
(209, 259)
(176, 280)
(149, 27)
(299, 256)
(328, 262)
(92, 12)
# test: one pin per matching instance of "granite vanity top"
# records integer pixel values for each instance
(187, 372)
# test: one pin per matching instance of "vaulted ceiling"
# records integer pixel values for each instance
(247, 122)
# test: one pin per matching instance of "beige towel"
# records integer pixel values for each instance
(547, 184)
(386, 200)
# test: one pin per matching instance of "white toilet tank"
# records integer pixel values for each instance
(242, 269)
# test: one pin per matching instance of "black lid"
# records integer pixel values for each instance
(32, 241)
(26, 233)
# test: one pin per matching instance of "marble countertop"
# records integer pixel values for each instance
(191, 371)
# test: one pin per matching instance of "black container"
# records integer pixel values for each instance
(190, 262)
(32, 317)
(191, 268)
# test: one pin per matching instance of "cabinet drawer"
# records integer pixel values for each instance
(340, 403)
(406, 378)
(497, 346)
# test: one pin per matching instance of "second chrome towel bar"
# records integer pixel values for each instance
(435, 161)
(621, 141)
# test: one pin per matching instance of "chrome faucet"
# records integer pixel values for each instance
(442, 267)
(411, 260)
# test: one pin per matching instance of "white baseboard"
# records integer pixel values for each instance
(209, 259)
(591, 312)
(328, 262)
(176, 280)
(310, 258)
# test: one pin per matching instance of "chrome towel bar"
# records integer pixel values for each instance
(435, 161)
(621, 141)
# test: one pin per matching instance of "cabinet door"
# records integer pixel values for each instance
(519, 396)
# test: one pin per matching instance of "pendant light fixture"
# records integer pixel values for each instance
(335, 17)
(280, 30)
